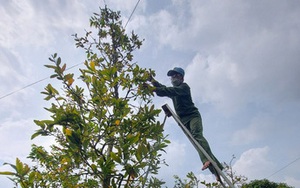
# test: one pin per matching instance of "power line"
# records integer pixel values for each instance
(283, 167)
(18, 90)
(132, 12)
(4, 96)
(11, 93)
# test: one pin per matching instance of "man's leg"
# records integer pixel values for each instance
(196, 129)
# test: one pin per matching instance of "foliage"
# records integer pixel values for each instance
(193, 182)
(106, 131)
(265, 184)
(237, 180)
(22, 173)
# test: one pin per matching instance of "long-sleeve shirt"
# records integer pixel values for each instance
(182, 100)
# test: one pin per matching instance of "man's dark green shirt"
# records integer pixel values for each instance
(182, 100)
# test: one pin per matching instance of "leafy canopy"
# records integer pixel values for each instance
(104, 123)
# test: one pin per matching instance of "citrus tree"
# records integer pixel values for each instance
(104, 123)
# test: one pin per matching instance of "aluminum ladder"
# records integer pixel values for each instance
(169, 112)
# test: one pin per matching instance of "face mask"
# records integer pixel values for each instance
(176, 81)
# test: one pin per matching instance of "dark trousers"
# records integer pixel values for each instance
(196, 129)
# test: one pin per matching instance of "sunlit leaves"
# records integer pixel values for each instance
(69, 79)
(68, 132)
(92, 65)
(116, 157)
(22, 173)
(117, 122)
(50, 92)
(104, 124)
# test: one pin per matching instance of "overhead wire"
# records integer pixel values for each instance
(283, 167)
(132, 12)
(18, 90)
(13, 92)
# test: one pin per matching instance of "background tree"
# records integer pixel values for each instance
(239, 181)
(106, 132)
(265, 184)
(192, 181)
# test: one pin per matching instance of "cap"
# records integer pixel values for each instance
(176, 70)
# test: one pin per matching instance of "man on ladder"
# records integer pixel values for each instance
(188, 114)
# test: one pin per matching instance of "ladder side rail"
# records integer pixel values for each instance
(197, 145)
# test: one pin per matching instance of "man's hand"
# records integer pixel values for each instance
(148, 87)
(150, 78)
(145, 85)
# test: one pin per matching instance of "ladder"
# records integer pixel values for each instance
(169, 112)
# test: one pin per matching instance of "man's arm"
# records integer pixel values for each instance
(154, 82)
(162, 90)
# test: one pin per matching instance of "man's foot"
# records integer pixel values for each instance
(217, 178)
(206, 165)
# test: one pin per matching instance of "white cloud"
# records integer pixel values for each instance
(26, 23)
(126, 6)
(16, 135)
(12, 70)
(176, 154)
(216, 80)
(255, 132)
(232, 84)
(246, 136)
(175, 157)
(21, 25)
(254, 163)
(241, 57)
(162, 24)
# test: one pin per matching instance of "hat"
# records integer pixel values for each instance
(176, 70)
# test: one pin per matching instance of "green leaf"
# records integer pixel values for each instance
(63, 68)
(7, 173)
(94, 167)
(115, 157)
(19, 166)
(13, 166)
(144, 149)
(50, 66)
(58, 61)
(68, 76)
(138, 153)
(51, 89)
(35, 135)
(53, 75)
(133, 138)
(32, 177)
(48, 98)
(25, 170)
(38, 133)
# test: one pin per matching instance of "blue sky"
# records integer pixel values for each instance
(241, 60)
